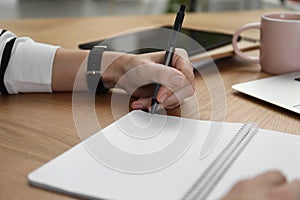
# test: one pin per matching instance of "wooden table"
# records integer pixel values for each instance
(35, 128)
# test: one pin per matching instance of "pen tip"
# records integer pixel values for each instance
(153, 108)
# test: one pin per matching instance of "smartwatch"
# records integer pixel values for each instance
(93, 73)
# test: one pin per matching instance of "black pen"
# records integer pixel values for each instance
(169, 52)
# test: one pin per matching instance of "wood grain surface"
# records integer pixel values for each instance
(34, 128)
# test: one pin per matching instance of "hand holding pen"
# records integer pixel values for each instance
(176, 82)
(169, 53)
(173, 84)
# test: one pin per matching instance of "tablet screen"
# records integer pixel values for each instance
(207, 39)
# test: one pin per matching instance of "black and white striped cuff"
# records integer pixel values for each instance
(4, 63)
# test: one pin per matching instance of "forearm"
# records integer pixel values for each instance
(66, 66)
(70, 65)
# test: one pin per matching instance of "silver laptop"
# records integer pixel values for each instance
(281, 90)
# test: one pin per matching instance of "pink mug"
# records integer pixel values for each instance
(279, 42)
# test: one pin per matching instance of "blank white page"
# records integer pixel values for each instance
(79, 173)
(268, 150)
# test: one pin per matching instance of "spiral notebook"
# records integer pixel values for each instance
(240, 151)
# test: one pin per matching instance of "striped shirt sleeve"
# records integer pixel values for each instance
(25, 65)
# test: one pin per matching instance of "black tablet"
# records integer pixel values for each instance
(155, 39)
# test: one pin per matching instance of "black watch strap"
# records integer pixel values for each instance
(93, 74)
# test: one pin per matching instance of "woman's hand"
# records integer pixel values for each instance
(137, 74)
(271, 185)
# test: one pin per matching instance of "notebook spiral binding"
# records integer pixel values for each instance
(217, 169)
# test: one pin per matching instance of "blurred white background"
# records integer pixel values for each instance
(14, 9)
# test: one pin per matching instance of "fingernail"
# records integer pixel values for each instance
(137, 106)
(163, 98)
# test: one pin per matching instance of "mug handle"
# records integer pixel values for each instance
(236, 35)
